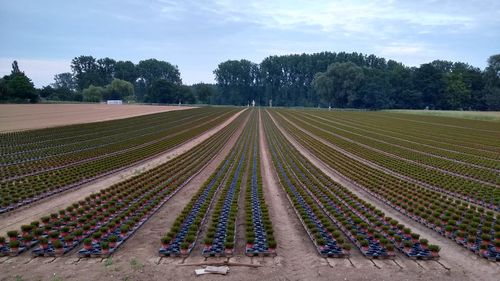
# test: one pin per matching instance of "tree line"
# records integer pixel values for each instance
(354, 80)
(327, 79)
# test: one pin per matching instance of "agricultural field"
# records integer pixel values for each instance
(275, 194)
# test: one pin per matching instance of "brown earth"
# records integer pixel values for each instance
(17, 117)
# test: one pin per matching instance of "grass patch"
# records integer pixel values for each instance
(472, 115)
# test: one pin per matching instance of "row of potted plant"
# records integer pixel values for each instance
(32, 188)
(180, 240)
(317, 225)
(485, 194)
(258, 225)
(114, 205)
(423, 205)
(402, 150)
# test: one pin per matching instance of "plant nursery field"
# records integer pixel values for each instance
(275, 194)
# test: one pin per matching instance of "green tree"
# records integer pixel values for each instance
(93, 93)
(339, 83)
(126, 70)
(239, 81)
(119, 89)
(152, 70)
(204, 92)
(492, 83)
(86, 72)
(162, 91)
(64, 80)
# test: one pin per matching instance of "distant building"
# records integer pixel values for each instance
(114, 102)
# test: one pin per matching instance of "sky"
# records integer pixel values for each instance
(43, 36)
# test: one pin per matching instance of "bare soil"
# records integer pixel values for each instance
(14, 220)
(17, 117)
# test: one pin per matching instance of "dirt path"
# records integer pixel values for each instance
(13, 220)
(18, 117)
(456, 258)
(294, 246)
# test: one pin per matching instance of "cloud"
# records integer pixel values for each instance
(41, 71)
(344, 16)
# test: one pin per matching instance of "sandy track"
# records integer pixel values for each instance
(17, 117)
(13, 220)
(453, 256)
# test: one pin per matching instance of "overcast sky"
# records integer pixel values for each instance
(197, 35)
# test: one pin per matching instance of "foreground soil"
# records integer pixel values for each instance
(18, 117)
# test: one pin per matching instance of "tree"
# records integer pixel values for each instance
(17, 86)
(339, 84)
(126, 70)
(152, 70)
(93, 93)
(86, 72)
(106, 70)
(492, 83)
(64, 80)
(239, 81)
(204, 92)
(162, 91)
(119, 89)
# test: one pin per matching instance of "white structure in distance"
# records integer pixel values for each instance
(114, 102)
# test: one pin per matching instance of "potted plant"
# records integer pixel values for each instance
(272, 246)
(58, 246)
(414, 237)
(13, 234)
(229, 248)
(69, 240)
(44, 243)
(250, 241)
(165, 242)
(2, 241)
(112, 239)
(407, 245)
(434, 250)
(486, 239)
(27, 240)
(53, 235)
(207, 242)
(78, 234)
(497, 246)
(364, 245)
(346, 247)
(124, 230)
(96, 236)
(26, 228)
(184, 248)
(14, 246)
(87, 244)
(390, 249)
(105, 247)
(424, 243)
